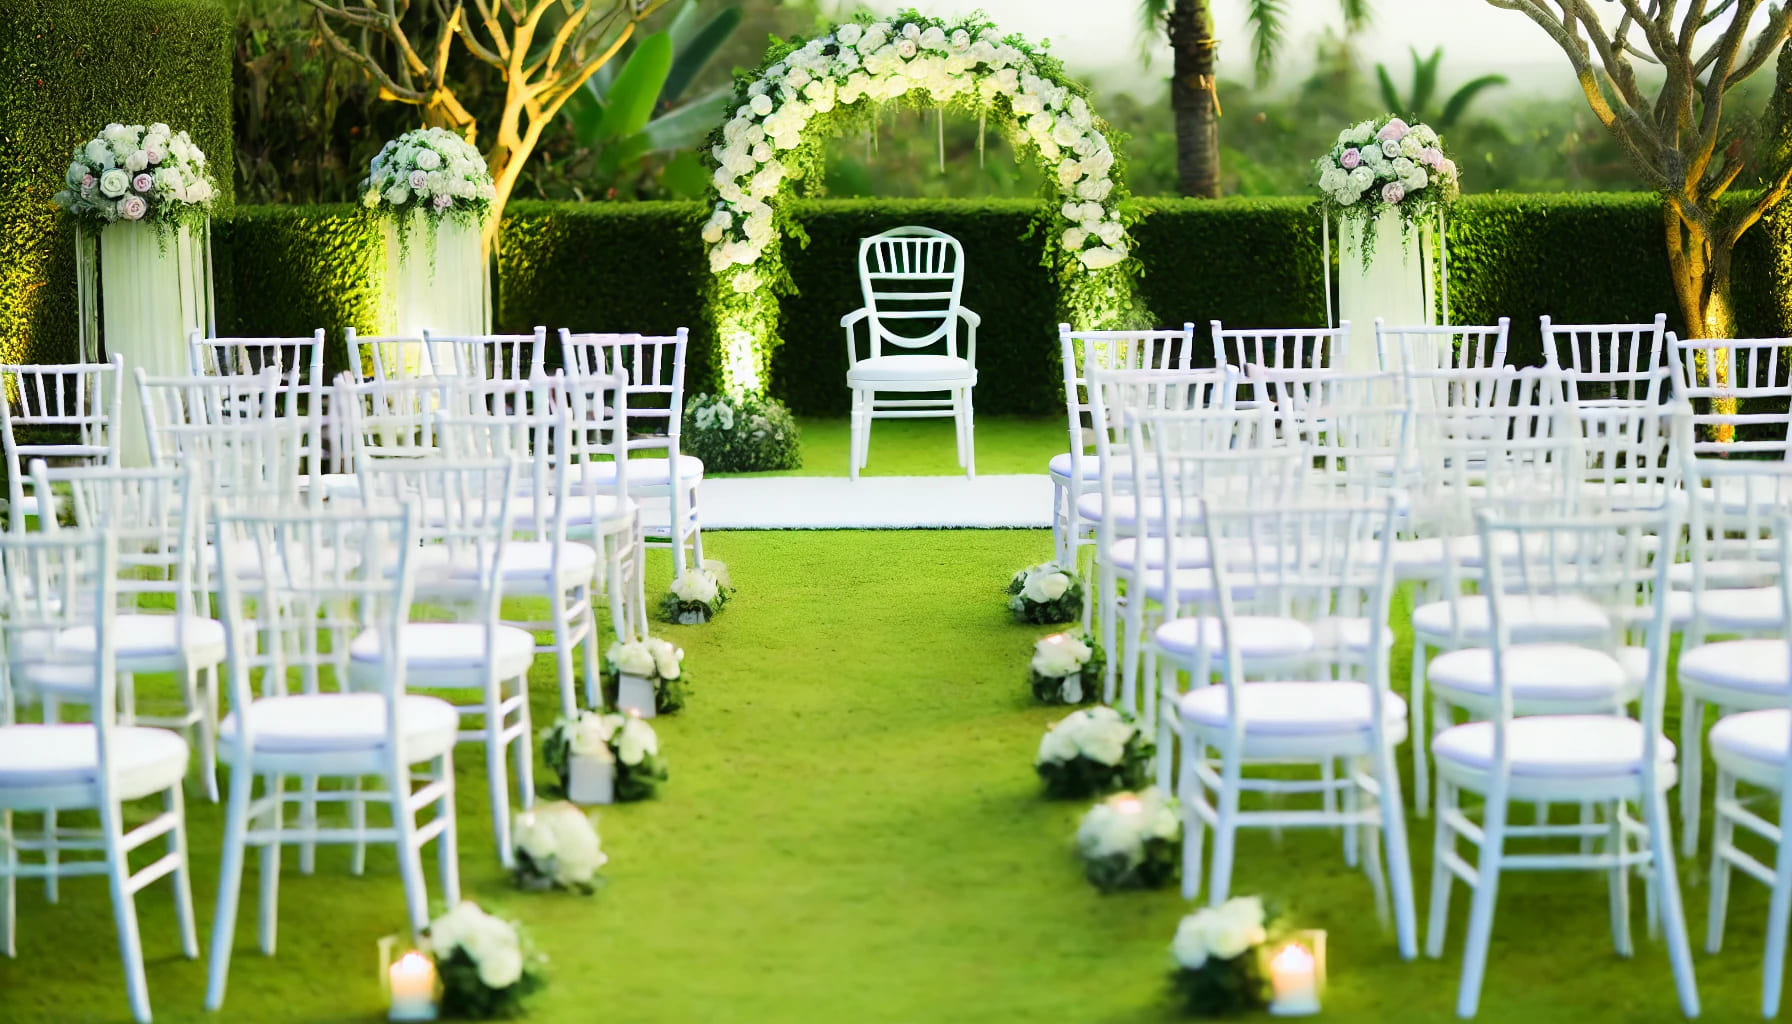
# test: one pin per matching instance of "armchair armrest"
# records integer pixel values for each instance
(856, 316)
(971, 321)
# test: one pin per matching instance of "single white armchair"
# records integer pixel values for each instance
(911, 277)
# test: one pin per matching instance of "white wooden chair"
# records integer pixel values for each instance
(1314, 348)
(344, 586)
(654, 418)
(608, 518)
(1609, 759)
(56, 584)
(1077, 472)
(492, 356)
(911, 276)
(397, 357)
(1753, 748)
(1607, 362)
(57, 412)
(1405, 347)
(1740, 390)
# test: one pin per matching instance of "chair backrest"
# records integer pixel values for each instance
(1733, 512)
(466, 512)
(1186, 461)
(524, 423)
(597, 429)
(1084, 352)
(229, 428)
(1357, 426)
(492, 356)
(1631, 452)
(58, 412)
(298, 587)
(913, 277)
(1450, 347)
(1316, 348)
(1521, 453)
(299, 360)
(1740, 390)
(399, 357)
(395, 419)
(1610, 362)
(654, 368)
(156, 518)
(56, 582)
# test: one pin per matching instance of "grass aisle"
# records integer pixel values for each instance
(852, 832)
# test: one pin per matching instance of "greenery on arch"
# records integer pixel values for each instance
(808, 92)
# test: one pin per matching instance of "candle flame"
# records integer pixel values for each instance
(1293, 957)
(412, 963)
(1128, 804)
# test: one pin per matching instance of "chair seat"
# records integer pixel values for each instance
(1060, 467)
(144, 760)
(582, 511)
(1258, 636)
(641, 472)
(950, 371)
(1529, 618)
(1755, 666)
(324, 723)
(1320, 708)
(527, 561)
(1727, 573)
(1740, 610)
(1188, 552)
(437, 647)
(147, 637)
(1556, 746)
(1755, 736)
(1544, 672)
(1343, 633)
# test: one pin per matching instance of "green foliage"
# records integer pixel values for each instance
(1081, 777)
(1222, 988)
(1050, 689)
(1157, 867)
(465, 997)
(733, 435)
(284, 271)
(1417, 103)
(1045, 594)
(66, 71)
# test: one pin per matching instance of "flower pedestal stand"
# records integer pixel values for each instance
(154, 287)
(1386, 270)
(436, 280)
(592, 780)
(635, 695)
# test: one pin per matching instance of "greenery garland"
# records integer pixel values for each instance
(806, 92)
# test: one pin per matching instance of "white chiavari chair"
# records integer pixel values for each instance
(59, 583)
(1315, 348)
(1405, 347)
(398, 357)
(1740, 390)
(609, 518)
(1608, 362)
(480, 357)
(66, 412)
(1605, 563)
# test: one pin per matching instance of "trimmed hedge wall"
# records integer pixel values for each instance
(640, 267)
(67, 69)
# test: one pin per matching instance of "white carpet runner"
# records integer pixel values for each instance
(876, 502)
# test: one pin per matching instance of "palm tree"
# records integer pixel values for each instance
(1194, 93)
(1424, 87)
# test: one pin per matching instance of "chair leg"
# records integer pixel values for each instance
(1225, 829)
(448, 841)
(497, 778)
(1442, 878)
(1673, 916)
(52, 858)
(1487, 889)
(1190, 791)
(9, 888)
(230, 881)
(174, 803)
(124, 910)
(522, 746)
(269, 914)
(563, 654)
(855, 431)
(1166, 735)
(208, 732)
(1692, 757)
(1421, 739)
(1393, 828)
(410, 858)
(696, 512)
(1619, 880)
(970, 436)
(357, 820)
(1723, 831)
(307, 821)
(1058, 491)
(1352, 798)
(593, 675)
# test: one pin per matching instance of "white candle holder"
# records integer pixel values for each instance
(591, 780)
(409, 982)
(1297, 974)
(635, 694)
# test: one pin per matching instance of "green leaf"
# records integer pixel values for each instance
(631, 97)
(686, 177)
(1265, 17)
(584, 110)
(697, 52)
(1390, 95)
(1461, 98)
(689, 125)
(1424, 79)
(684, 23)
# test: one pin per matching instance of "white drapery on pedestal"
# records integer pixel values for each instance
(1395, 282)
(436, 280)
(155, 287)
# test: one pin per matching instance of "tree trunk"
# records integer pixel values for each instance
(1194, 98)
(1701, 277)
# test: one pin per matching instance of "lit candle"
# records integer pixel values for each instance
(1294, 976)
(1056, 639)
(413, 982)
(1128, 804)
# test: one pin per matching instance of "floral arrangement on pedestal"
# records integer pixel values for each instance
(1387, 165)
(432, 173)
(698, 594)
(557, 848)
(133, 173)
(632, 744)
(486, 968)
(741, 433)
(1131, 841)
(659, 662)
(808, 91)
(1066, 669)
(1218, 958)
(1045, 594)
(1095, 750)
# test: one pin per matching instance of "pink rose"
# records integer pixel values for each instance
(86, 181)
(1393, 192)
(442, 202)
(154, 155)
(1447, 168)
(1393, 131)
(418, 179)
(132, 208)
(143, 182)
(1351, 159)
(1431, 157)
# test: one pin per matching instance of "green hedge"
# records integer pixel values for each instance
(285, 271)
(67, 69)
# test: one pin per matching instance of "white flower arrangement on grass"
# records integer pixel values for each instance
(1095, 750)
(1066, 669)
(660, 662)
(485, 966)
(557, 847)
(1131, 841)
(741, 433)
(133, 173)
(1218, 957)
(1045, 594)
(630, 742)
(698, 595)
(1386, 164)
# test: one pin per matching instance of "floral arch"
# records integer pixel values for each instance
(807, 93)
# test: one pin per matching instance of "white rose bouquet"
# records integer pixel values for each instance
(631, 742)
(660, 662)
(739, 434)
(133, 173)
(1095, 750)
(698, 595)
(1045, 594)
(1387, 164)
(1131, 841)
(1066, 669)
(486, 968)
(431, 172)
(557, 848)
(1219, 964)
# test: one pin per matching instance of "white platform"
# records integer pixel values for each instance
(877, 502)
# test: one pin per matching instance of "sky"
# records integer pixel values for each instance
(1100, 38)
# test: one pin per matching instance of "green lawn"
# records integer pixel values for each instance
(853, 832)
(1005, 444)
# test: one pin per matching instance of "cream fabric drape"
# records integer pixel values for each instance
(1394, 283)
(154, 289)
(446, 290)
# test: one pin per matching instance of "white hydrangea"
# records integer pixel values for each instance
(562, 835)
(1060, 655)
